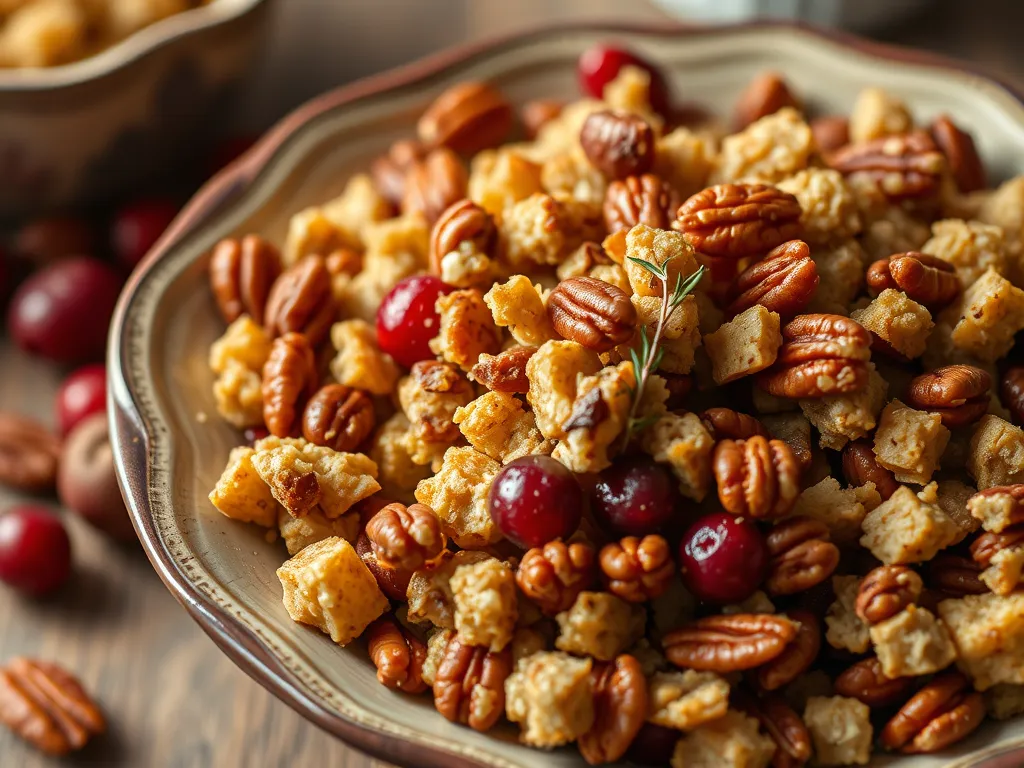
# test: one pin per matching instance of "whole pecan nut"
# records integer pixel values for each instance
(903, 166)
(958, 393)
(756, 477)
(469, 686)
(433, 184)
(955, 576)
(338, 417)
(765, 95)
(397, 654)
(504, 372)
(1011, 392)
(940, 714)
(241, 274)
(797, 657)
(729, 643)
(620, 709)
(289, 379)
(800, 555)
(783, 725)
(405, 538)
(618, 144)
(466, 118)
(989, 544)
(29, 453)
(636, 200)
(861, 467)
(962, 156)
(926, 279)
(591, 312)
(886, 591)
(784, 281)
(866, 682)
(389, 170)
(393, 582)
(463, 225)
(301, 301)
(736, 221)
(553, 576)
(830, 132)
(821, 355)
(637, 570)
(46, 706)
(725, 423)
(538, 113)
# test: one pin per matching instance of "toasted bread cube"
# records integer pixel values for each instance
(910, 443)
(996, 512)
(299, 532)
(746, 344)
(327, 586)
(243, 342)
(485, 603)
(683, 700)
(845, 628)
(970, 246)
(769, 150)
(731, 741)
(661, 247)
(241, 493)
(905, 529)
(430, 395)
(680, 335)
(359, 205)
(1003, 574)
(429, 593)
(952, 496)
(996, 453)
(841, 418)
(398, 474)
(598, 418)
(310, 231)
(991, 312)
(842, 509)
(682, 442)
(359, 362)
(497, 424)
(913, 642)
(467, 329)
(899, 320)
(988, 632)
(554, 371)
(551, 696)
(840, 729)
(876, 114)
(599, 624)
(458, 495)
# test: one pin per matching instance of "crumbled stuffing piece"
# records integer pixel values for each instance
(684, 159)
(842, 418)
(683, 700)
(430, 396)
(842, 510)
(1003, 574)
(661, 247)
(745, 345)
(682, 442)
(467, 329)
(731, 741)
(554, 373)
(876, 114)
(299, 532)
(597, 419)
(840, 729)
(458, 495)
(398, 474)
(970, 246)
(518, 305)
(485, 603)
(841, 268)
(952, 497)
(681, 333)
(996, 453)
(498, 179)
(845, 630)
(768, 150)
(905, 529)
(988, 632)
(995, 511)
(599, 624)
(829, 209)
(359, 362)
(900, 321)
(913, 642)
(429, 593)
(910, 443)
(497, 424)
(550, 695)
(991, 311)
(241, 494)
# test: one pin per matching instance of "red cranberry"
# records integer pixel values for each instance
(723, 558)
(635, 497)
(82, 394)
(653, 745)
(407, 319)
(535, 499)
(600, 64)
(62, 312)
(35, 552)
(136, 227)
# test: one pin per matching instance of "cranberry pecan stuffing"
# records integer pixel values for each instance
(289, 379)
(739, 220)
(469, 687)
(433, 184)
(301, 301)
(903, 166)
(955, 576)
(241, 273)
(756, 477)
(29, 453)
(860, 467)
(783, 282)
(466, 118)
(620, 709)
(729, 643)
(463, 225)
(926, 279)
(866, 682)
(397, 654)
(886, 591)
(940, 714)
(389, 170)
(538, 113)
(801, 555)
(797, 657)
(637, 569)
(958, 393)
(506, 371)
(830, 132)
(47, 707)
(338, 417)
(725, 423)
(591, 312)
(1011, 392)
(821, 355)
(618, 144)
(406, 538)
(553, 576)
(636, 200)
(961, 154)
(765, 95)
(989, 544)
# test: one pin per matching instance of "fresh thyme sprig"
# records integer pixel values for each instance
(648, 358)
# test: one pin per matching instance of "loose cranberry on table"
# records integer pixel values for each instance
(62, 312)
(635, 496)
(136, 227)
(407, 319)
(534, 500)
(82, 394)
(723, 558)
(600, 64)
(35, 552)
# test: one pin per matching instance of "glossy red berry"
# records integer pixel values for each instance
(535, 499)
(82, 394)
(407, 319)
(600, 64)
(723, 558)
(635, 496)
(35, 552)
(63, 311)
(137, 227)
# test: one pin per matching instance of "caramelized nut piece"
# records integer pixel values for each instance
(538, 113)
(765, 95)
(554, 575)
(955, 576)
(886, 591)
(637, 570)
(784, 281)
(729, 643)
(725, 423)
(433, 184)
(393, 583)
(289, 379)
(618, 144)
(961, 154)
(466, 118)
(406, 538)
(989, 544)
(397, 654)
(926, 279)
(241, 274)
(469, 687)
(830, 132)
(797, 657)
(338, 417)
(940, 714)
(591, 312)
(636, 200)
(786, 728)
(958, 393)
(463, 225)
(1011, 393)
(506, 371)
(901, 167)
(29, 453)
(389, 170)
(866, 682)
(861, 467)
(620, 708)
(301, 301)
(801, 555)
(756, 477)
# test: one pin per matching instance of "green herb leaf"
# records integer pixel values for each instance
(654, 269)
(642, 423)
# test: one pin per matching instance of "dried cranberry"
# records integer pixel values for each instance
(137, 227)
(635, 497)
(534, 500)
(723, 558)
(82, 394)
(35, 552)
(407, 319)
(600, 64)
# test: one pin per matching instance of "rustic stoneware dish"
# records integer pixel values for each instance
(170, 455)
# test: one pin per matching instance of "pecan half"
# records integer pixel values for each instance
(289, 379)
(504, 372)
(301, 301)
(466, 118)
(962, 156)
(241, 273)
(591, 312)
(886, 591)
(729, 643)
(338, 417)
(47, 707)
(469, 687)
(821, 355)
(861, 467)
(958, 393)
(866, 682)
(389, 170)
(830, 132)
(553, 576)
(725, 423)
(955, 576)
(637, 570)
(462, 225)
(797, 657)
(736, 221)
(636, 200)
(784, 281)
(618, 144)
(926, 279)
(397, 654)
(756, 477)
(538, 113)
(940, 714)
(904, 166)
(434, 183)
(406, 538)
(1011, 392)
(783, 725)
(800, 555)
(344, 261)
(989, 544)
(393, 582)
(765, 95)
(29, 453)
(620, 708)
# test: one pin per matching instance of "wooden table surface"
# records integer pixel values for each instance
(172, 699)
